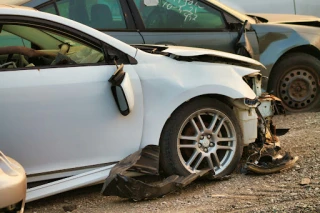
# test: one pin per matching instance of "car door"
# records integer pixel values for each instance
(110, 16)
(185, 23)
(56, 107)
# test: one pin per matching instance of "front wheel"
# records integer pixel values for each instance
(295, 79)
(203, 133)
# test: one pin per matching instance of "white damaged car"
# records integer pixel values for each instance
(74, 101)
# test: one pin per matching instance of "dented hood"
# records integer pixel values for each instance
(191, 51)
(285, 18)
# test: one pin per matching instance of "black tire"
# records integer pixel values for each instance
(173, 160)
(295, 79)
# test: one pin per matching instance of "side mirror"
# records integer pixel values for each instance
(122, 91)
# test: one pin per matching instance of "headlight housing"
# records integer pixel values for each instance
(252, 103)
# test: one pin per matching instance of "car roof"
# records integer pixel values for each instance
(30, 12)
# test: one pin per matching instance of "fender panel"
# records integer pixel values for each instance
(157, 118)
(180, 81)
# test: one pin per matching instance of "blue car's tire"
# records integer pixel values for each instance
(296, 80)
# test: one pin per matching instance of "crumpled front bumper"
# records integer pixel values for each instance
(264, 155)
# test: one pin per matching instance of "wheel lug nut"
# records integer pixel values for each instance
(209, 136)
(202, 137)
(205, 149)
(211, 144)
(200, 145)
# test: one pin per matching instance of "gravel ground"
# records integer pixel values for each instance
(281, 192)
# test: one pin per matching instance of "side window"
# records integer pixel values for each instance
(24, 46)
(100, 14)
(180, 14)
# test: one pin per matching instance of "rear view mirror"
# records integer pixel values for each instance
(122, 91)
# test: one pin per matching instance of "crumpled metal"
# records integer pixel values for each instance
(268, 164)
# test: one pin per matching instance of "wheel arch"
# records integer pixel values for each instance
(153, 137)
(306, 49)
(224, 99)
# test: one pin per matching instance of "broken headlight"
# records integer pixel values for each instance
(252, 103)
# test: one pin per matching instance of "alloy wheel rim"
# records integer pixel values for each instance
(298, 89)
(206, 139)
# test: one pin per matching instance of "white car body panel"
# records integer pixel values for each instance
(286, 18)
(86, 106)
(301, 7)
(77, 181)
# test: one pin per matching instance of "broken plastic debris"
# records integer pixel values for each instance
(305, 181)
(145, 161)
(128, 187)
(268, 164)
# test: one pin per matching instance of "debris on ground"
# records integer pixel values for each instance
(69, 208)
(305, 181)
(268, 164)
(146, 162)
(264, 155)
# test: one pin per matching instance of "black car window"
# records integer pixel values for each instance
(28, 46)
(179, 14)
(100, 14)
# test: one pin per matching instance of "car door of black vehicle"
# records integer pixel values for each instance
(183, 22)
(110, 16)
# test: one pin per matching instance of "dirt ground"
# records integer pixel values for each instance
(280, 192)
